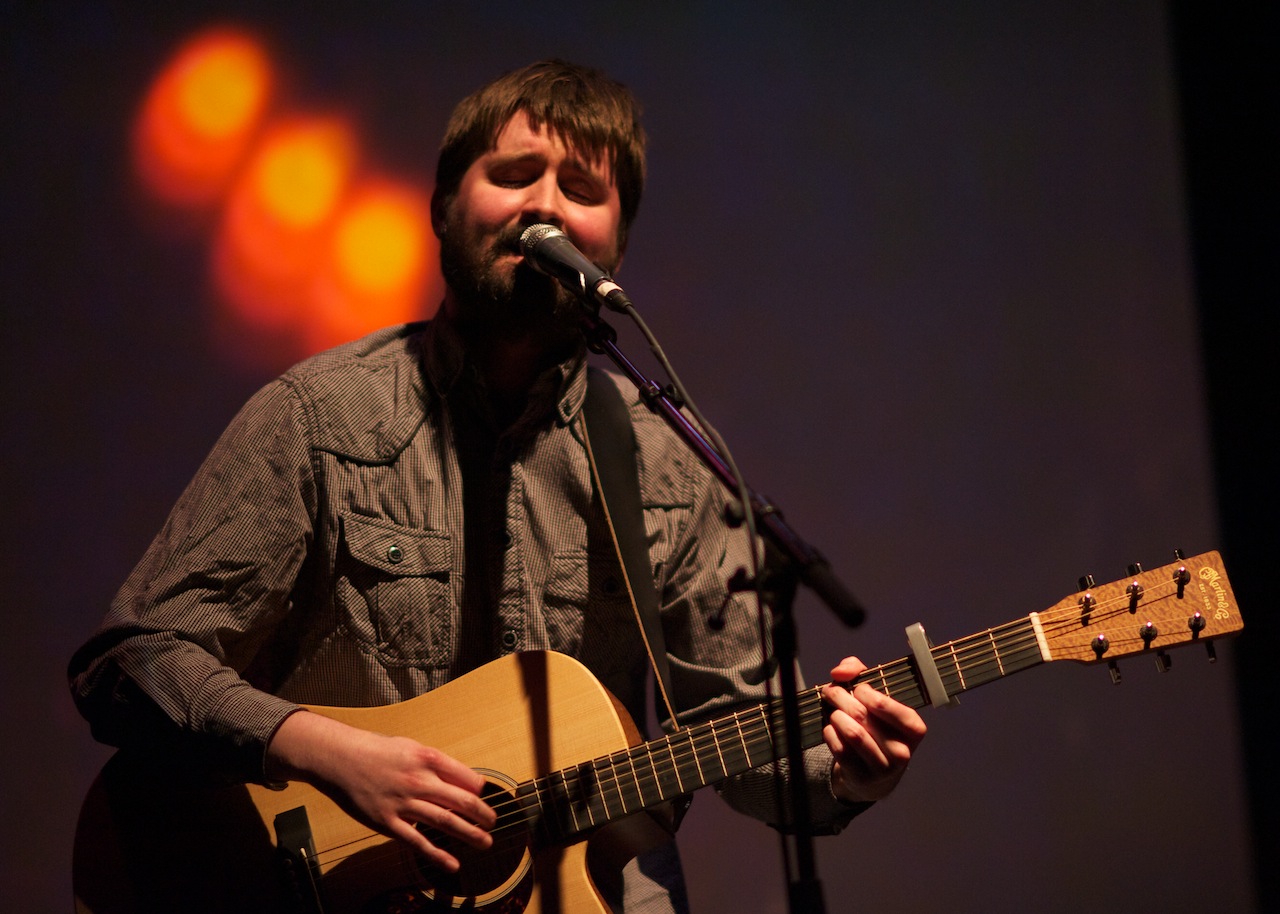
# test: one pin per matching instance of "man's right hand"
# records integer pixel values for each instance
(390, 783)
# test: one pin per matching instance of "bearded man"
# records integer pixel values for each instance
(391, 515)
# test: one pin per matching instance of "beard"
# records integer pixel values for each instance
(496, 302)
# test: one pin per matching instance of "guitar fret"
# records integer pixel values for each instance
(636, 756)
(662, 768)
(632, 780)
(653, 772)
(603, 787)
(909, 692)
(690, 738)
(675, 766)
(720, 755)
(733, 749)
(742, 740)
(959, 670)
(557, 808)
(995, 649)
(992, 655)
(773, 735)
(715, 741)
(576, 799)
(529, 797)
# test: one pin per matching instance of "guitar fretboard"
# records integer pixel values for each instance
(574, 800)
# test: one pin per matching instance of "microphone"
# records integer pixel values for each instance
(549, 250)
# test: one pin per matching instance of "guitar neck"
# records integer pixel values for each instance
(574, 800)
(965, 663)
(1185, 602)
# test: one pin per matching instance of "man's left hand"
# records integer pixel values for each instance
(871, 735)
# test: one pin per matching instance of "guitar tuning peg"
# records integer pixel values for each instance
(1163, 661)
(1182, 578)
(1114, 669)
(1088, 601)
(1179, 555)
(1134, 590)
(1135, 568)
(1196, 624)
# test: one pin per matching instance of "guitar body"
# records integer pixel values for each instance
(145, 844)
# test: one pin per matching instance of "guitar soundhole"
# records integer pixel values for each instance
(489, 875)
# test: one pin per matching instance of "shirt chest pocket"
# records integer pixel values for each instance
(393, 591)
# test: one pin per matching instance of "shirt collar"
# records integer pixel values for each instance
(448, 366)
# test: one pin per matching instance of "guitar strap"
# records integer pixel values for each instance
(610, 440)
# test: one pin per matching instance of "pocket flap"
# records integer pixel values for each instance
(395, 549)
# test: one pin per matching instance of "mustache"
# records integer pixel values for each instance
(508, 240)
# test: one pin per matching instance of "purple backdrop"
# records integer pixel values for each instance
(924, 265)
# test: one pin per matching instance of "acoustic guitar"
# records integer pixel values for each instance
(567, 771)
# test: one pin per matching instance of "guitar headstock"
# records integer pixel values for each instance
(1185, 602)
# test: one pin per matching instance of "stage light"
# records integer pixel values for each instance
(200, 116)
(380, 240)
(273, 235)
(305, 254)
(301, 170)
(381, 267)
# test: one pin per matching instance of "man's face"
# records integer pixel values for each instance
(529, 177)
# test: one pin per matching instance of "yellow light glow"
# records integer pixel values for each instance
(381, 241)
(221, 84)
(200, 116)
(301, 171)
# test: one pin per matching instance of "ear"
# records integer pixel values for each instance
(439, 208)
(622, 248)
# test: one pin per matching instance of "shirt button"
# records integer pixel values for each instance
(394, 555)
(503, 538)
(509, 639)
(611, 586)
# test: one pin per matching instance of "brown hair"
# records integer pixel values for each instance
(593, 114)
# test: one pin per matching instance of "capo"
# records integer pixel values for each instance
(928, 668)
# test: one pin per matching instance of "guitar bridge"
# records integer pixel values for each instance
(297, 850)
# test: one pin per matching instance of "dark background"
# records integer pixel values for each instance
(974, 291)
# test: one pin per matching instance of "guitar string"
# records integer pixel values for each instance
(753, 734)
(670, 747)
(980, 642)
(1054, 622)
(686, 743)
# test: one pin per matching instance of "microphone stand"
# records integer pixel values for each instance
(791, 561)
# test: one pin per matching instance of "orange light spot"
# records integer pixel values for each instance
(200, 116)
(271, 244)
(301, 170)
(381, 239)
(222, 87)
(382, 267)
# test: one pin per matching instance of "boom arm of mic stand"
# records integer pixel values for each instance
(811, 567)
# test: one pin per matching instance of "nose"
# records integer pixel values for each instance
(544, 202)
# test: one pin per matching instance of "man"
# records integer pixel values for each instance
(392, 514)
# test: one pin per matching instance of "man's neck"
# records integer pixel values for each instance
(508, 363)
(509, 367)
